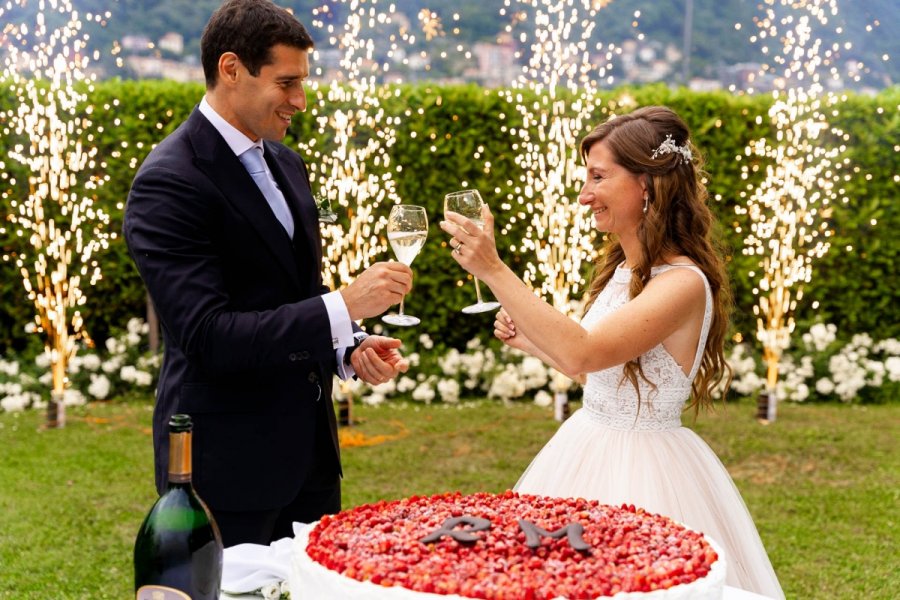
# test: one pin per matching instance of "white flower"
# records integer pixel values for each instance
(373, 399)
(149, 361)
(426, 341)
(73, 397)
(423, 393)
(10, 368)
(414, 359)
(15, 403)
(99, 386)
(506, 384)
(271, 591)
(406, 384)
(128, 373)
(74, 365)
(747, 384)
(825, 386)
(42, 360)
(91, 362)
(451, 362)
(133, 339)
(385, 389)
(534, 372)
(890, 346)
(111, 365)
(820, 336)
(892, 366)
(11, 388)
(136, 326)
(143, 378)
(448, 390)
(543, 398)
(861, 340)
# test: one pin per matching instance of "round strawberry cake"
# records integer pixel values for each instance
(502, 546)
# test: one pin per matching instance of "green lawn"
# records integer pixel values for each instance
(823, 484)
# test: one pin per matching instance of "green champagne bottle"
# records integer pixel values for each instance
(178, 550)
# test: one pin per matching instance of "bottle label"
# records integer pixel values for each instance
(160, 592)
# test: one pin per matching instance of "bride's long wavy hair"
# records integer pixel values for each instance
(677, 222)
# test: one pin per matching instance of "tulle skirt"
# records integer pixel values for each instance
(672, 472)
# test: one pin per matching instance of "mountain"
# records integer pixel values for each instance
(715, 41)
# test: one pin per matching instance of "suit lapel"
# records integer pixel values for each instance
(216, 160)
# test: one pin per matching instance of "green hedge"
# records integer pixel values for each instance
(856, 290)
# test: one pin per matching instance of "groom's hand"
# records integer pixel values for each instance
(377, 359)
(377, 288)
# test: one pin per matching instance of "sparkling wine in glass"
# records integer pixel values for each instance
(407, 229)
(468, 203)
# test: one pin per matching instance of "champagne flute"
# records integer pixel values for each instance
(407, 229)
(468, 203)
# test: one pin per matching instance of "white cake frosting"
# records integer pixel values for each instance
(310, 580)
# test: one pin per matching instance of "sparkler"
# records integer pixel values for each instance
(562, 76)
(353, 171)
(789, 208)
(45, 67)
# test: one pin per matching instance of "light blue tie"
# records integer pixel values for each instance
(256, 166)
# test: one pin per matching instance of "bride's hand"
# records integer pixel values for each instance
(472, 247)
(505, 331)
(504, 327)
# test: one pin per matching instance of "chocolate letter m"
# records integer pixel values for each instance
(572, 531)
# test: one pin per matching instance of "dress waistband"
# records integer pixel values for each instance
(644, 421)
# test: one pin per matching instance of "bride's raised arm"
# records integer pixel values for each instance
(668, 302)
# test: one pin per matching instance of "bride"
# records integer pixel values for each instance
(651, 340)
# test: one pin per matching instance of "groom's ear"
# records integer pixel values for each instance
(228, 67)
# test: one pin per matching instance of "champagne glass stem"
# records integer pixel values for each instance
(477, 290)
(401, 305)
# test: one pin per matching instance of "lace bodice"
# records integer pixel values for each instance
(610, 398)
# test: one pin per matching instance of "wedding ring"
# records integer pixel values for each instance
(456, 250)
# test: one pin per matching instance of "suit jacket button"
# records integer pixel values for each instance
(313, 378)
(292, 356)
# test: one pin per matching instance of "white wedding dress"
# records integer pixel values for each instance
(614, 453)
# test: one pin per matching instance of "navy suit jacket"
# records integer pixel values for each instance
(248, 347)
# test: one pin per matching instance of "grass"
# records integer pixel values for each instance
(823, 484)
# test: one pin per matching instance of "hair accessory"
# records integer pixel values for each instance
(669, 146)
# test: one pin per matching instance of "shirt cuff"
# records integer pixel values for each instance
(339, 318)
(345, 369)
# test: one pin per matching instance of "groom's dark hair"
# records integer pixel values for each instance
(249, 28)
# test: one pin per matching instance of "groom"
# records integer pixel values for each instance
(222, 226)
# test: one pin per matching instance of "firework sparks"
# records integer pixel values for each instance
(62, 228)
(559, 232)
(562, 73)
(789, 208)
(353, 172)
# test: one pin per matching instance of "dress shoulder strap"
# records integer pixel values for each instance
(707, 312)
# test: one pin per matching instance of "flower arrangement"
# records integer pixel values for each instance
(823, 367)
(122, 366)
(451, 376)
